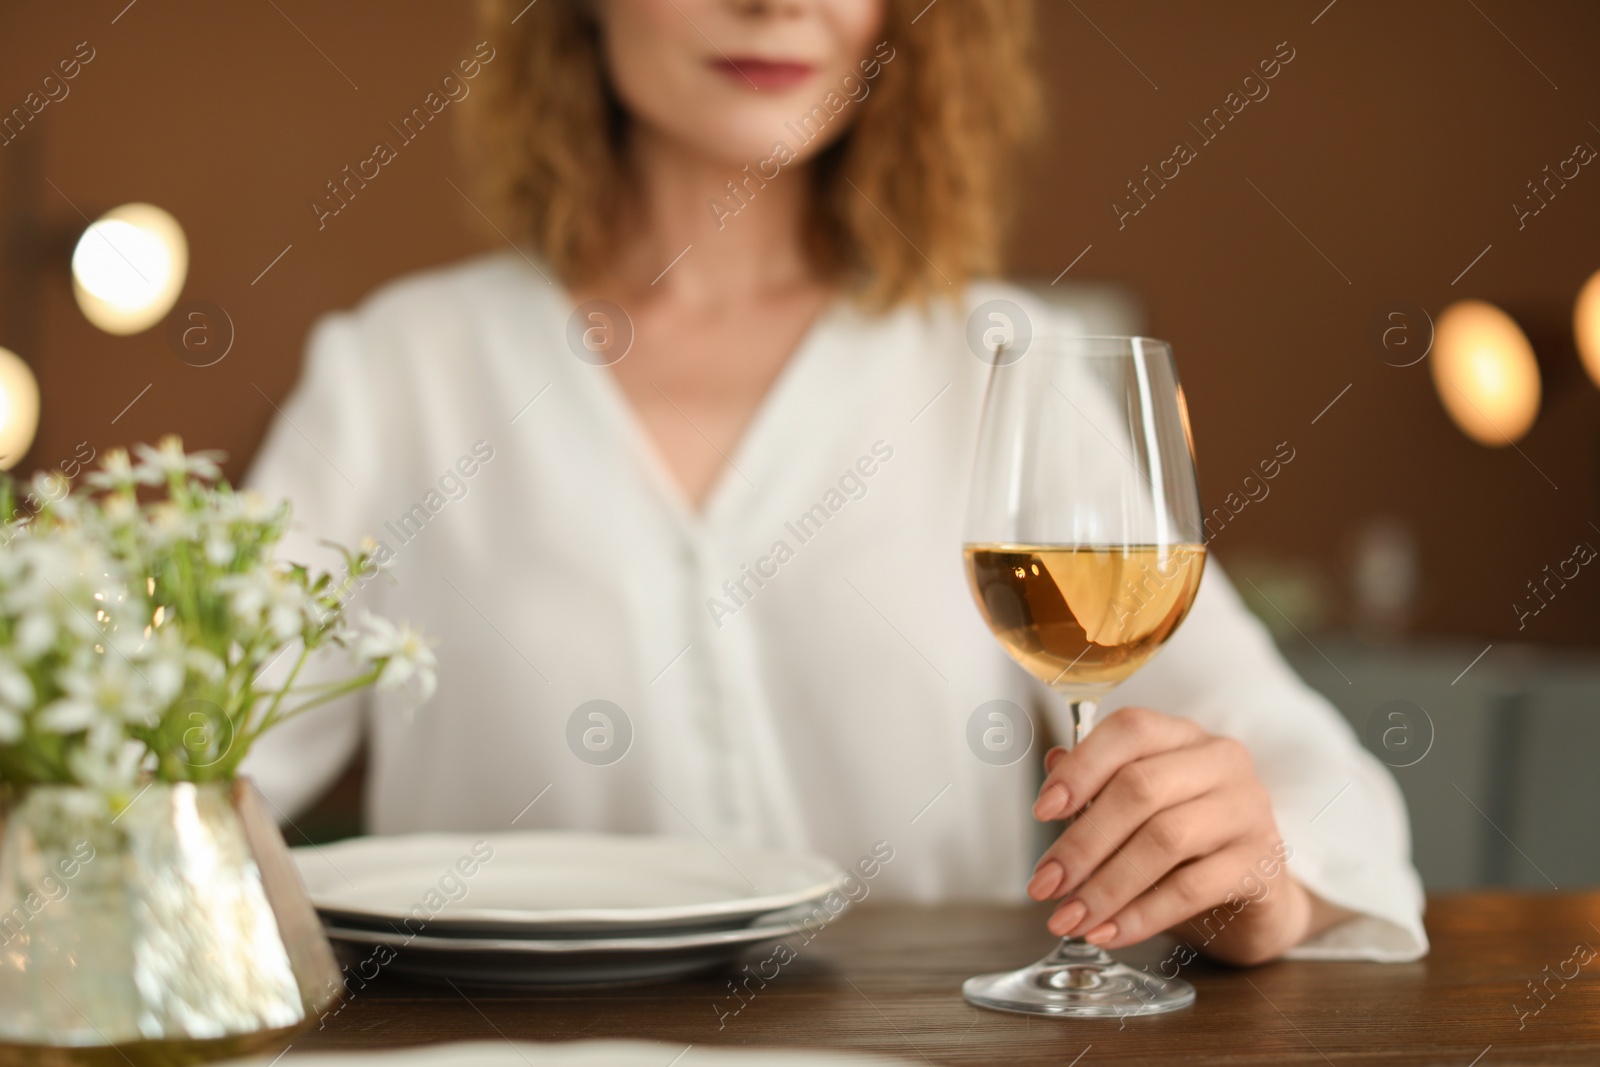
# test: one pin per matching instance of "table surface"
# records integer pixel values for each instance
(887, 979)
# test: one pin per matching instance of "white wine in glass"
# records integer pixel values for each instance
(1083, 615)
(1084, 549)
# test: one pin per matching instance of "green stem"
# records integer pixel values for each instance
(315, 686)
(277, 698)
(360, 681)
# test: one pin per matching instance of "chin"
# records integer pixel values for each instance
(738, 144)
(758, 133)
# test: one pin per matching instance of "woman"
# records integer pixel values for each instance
(696, 448)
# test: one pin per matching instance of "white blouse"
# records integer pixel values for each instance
(797, 665)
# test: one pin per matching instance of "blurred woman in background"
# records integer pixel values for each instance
(695, 449)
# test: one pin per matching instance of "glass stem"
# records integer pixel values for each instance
(1075, 950)
(1082, 712)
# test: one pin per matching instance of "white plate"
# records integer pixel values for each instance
(563, 961)
(553, 884)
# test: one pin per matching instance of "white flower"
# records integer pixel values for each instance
(120, 509)
(267, 599)
(406, 652)
(102, 691)
(68, 715)
(219, 549)
(170, 459)
(168, 525)
(16, 696)
(35, 634)
(164, 679)
(205, 663)
(16, 691)
(116, 472)
(123, 635)
(108, 771)
(63, 564)
(50, 487)
(93, 661)
(247, 505)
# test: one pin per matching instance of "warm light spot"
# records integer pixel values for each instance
(1586, 326)
(1485, 373)
(19, 408)
(1188, 430)
(129, 268)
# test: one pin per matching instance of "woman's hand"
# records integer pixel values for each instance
(1171, 823)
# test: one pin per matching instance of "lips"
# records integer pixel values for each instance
(764, 73)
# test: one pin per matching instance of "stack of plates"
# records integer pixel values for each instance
(542, 908)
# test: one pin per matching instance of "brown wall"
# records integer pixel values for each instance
(1395, 141)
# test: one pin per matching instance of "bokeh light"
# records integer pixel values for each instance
(129, 267)
(19, 408)
(1485, 373)
(1586, 326)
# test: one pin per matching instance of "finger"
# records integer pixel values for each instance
(1173, 837)
(1135, 794)
(1186, 892)
(1130, 734)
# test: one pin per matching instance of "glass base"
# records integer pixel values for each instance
(1081, 981)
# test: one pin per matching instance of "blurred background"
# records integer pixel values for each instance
(1424, 556)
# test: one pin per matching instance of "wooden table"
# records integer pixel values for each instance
(887, 979)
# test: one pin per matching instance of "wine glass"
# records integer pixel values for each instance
(1084, 546)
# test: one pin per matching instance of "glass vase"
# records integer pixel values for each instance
(172, 932)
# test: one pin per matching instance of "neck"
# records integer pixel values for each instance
(739, 250)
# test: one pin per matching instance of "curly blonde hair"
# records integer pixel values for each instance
(906, 205)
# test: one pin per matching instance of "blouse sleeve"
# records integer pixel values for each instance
(1338, 808)
(321, 453)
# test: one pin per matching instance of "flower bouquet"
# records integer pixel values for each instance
(139, 876)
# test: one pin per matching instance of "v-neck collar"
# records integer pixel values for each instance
(736, 476)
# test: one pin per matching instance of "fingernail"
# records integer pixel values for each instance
(1101, 934)
(1045, 880)
(1052, 802)
(1052, 756)
(1067, 916)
